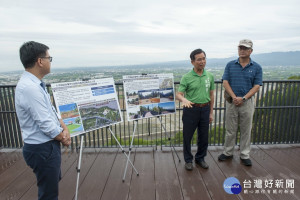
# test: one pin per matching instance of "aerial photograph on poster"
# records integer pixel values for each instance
(99, 114)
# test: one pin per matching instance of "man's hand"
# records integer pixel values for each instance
(64, 137)
(187, 103)
(66, 140)
(238, 101)
(211, 117)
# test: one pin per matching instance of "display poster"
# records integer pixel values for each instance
(87, 105)
(149, 95)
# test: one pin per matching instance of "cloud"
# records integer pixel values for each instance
(96, 33)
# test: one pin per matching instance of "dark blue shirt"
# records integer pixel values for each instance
(242, 80)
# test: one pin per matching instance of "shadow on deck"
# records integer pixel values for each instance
(161, 175)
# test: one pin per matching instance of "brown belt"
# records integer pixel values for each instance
(200, 104)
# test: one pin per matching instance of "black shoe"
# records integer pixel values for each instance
(202, 164)
(246, 162)
(189, 166)
(223, 157)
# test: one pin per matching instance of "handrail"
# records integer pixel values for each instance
(276, 120)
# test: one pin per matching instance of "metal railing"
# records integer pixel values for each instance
(276, 120)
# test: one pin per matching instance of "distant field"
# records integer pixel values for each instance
(269, 73)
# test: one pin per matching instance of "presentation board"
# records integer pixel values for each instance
(87, 105)
(149, 95)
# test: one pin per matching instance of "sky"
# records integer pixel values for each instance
(128, 32)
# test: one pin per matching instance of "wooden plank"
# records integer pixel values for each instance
(115, 188)
(12, 173)
(275, 171)
(191, 182)
(10, 160)
(166, 178)
(94, 183)
(161, 175)
(213, 179)
(295, 149)
(285, 156)
(67, 186)
(235, 168)
(143, 186)
(67, 160)
(4, 154)
(19, 186)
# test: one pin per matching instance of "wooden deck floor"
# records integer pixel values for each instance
(161, 176)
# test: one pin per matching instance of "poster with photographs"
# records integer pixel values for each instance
(87, 105)
(149, 95)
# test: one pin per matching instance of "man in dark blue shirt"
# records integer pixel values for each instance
(242, 79)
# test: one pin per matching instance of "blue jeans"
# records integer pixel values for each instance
(45, 161)
(193, 118)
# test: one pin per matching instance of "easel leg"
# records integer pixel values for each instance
(169, 138)
(130, 150)
(78, 167)
(123, 151)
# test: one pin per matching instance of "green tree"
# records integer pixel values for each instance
(277, 121)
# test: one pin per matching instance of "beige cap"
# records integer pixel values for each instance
(246, 43)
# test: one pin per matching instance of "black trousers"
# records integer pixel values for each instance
(45, 161)
(193, 118)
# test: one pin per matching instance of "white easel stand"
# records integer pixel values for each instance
(123, 151)
(78, 166)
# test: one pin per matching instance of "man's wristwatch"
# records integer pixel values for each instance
(244, 99)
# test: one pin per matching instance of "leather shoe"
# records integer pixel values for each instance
(246, 162)
(223, 157)
(202, 164)
(189, 166)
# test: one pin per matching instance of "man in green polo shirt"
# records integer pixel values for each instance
(196, 92)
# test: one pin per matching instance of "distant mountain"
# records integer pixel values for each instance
(291, 58)
(278, 58)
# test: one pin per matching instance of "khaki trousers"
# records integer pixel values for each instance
(235, 116)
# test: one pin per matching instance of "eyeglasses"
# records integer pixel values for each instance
(244, 48)
(49, 57)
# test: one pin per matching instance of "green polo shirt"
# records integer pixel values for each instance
(197, 88)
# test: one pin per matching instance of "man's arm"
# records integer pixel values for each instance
(185, 102)
(239, 100)
(212, 101)
(228, 89)
(252, 91)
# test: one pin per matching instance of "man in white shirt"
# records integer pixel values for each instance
(42, 128)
